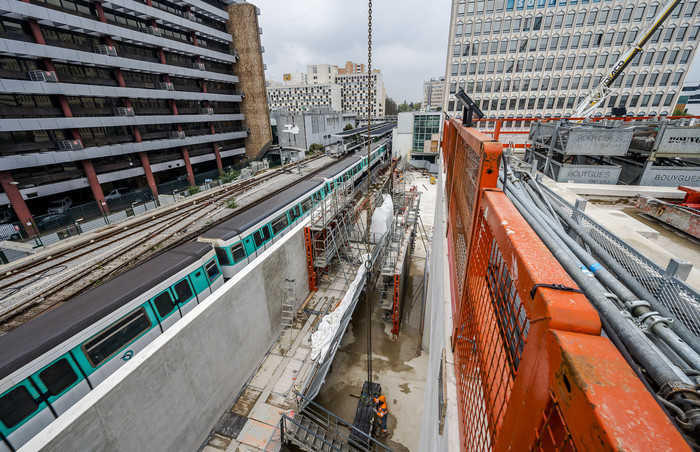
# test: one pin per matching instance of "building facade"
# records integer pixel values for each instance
(354, 94)
(97, 96)
(301, 130)
(321, 74)
(433, 94)
(295, 78)
(352, 68)
(301, 98)
(529, 57)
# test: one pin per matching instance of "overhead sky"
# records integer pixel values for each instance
(409, 38)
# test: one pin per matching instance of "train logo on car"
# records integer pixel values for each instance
(127, 355)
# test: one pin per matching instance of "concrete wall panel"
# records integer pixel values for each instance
(168, 397)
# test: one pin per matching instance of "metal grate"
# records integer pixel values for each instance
(552, 433)
(682, 300)
(494, 327)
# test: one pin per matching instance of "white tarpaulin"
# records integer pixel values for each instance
(381, 218)
(327, 329)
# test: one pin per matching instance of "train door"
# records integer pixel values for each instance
(23, 414)
(199, 281)
(185, 296)
(62, 383)
(109, 349)
(214, 276)
(166, 308)
(260, 238)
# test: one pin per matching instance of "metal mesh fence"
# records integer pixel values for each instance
(681, 299)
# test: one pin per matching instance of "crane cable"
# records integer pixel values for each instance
(368, 263)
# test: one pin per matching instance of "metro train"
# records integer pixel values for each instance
(241, 239)
(52, 361)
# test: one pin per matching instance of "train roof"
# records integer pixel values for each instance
(249, 218)
(339, 166)
(41, 334)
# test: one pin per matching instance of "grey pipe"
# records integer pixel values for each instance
(633, 339)
(638, 289)
(654, 322)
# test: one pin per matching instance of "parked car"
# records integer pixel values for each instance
(9, 232)
(116, 193)
(60, 205)
(53, 220)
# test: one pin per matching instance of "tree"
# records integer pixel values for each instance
(679, 112)
(348, 127)
(315, 147)
(390, 107)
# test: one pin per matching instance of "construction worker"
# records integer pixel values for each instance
(382, 413)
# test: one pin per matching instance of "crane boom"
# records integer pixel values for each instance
(603, 90)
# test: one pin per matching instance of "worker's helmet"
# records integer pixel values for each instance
(382, 398)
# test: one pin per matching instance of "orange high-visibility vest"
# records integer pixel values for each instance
(381, 412)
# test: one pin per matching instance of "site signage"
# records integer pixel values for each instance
(584, 141)
(665, 176)
(679, 141)
(589, 174)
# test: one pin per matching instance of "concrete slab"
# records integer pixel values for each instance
(246, 401)
(267, 414)
(255, 434)
(288, 377)
(266, 370)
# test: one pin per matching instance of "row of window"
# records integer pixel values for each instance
(566, 82)
(611, 38)
(489, 6)
(636, 100)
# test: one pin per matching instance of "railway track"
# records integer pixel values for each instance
(146, 239)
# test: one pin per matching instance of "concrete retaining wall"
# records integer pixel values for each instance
(168, 397)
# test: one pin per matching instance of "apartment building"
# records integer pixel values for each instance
(102, 95)
(433, 94)
(354, 94)
(352, 68)
(321, 74)
(541, 57)
(301, 98)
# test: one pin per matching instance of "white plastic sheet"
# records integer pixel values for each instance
(381, 218)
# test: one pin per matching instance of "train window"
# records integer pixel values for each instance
(212, 270)
(16, 405)
(238, 252)
(317, 196)
(183, 291)
(266, 233)
(222, 256)
(257, 238)
(58, 376)
(306, 204)
(294, 213)
(279, 223)
(164, 304)
(105, 344)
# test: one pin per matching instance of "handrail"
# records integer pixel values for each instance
(285, 417)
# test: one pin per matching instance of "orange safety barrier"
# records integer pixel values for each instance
(532, 371)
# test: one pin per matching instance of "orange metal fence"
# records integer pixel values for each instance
(533, 372)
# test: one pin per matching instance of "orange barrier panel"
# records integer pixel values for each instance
(532, 371)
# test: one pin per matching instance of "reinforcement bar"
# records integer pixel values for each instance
(532, 371)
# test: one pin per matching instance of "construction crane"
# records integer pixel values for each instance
(603, 90)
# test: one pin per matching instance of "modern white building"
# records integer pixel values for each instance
(433, 94)
(528, 57)
(301, 130)
(320, 74)
(301, 98)
(354, 94)
(295, 78)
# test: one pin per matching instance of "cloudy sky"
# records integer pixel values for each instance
(409, 41)
(409, 38)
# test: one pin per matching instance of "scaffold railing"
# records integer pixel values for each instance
(532, 369)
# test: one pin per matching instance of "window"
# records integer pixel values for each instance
(183, 291)
(676, 78)
(570, 19)
(104, 345)
(680, 36)
(639, 14)
(222, 256)
(164, 304)
(685, 56)
(279, 223)
(16, 405)
(669, 100)
(58, 376)
(533, 43)
(212, 270)
(620, 37)
(238, 252)
(581, 19)
(660, 58)
(592, 17)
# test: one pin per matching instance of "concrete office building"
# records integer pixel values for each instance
(121, 94)
(300, 130)
(689, 100)
(530, 57)
(433, 94)
(418, 133)
(354, 94)
(301, 98)
(321, 74)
